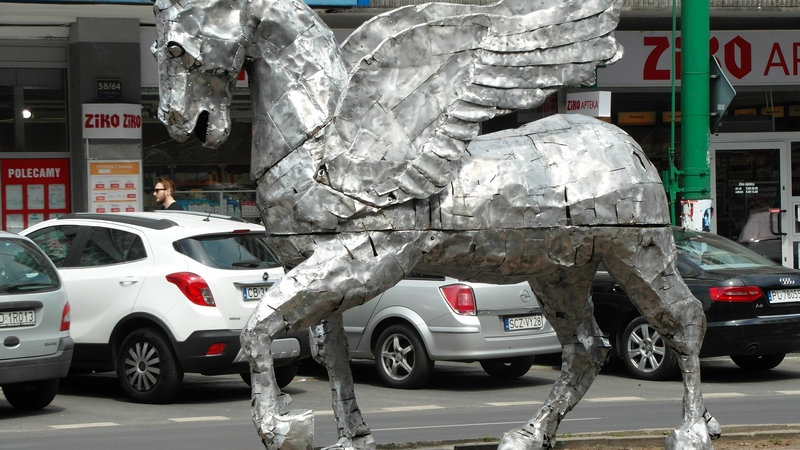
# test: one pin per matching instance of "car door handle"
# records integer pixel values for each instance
(616, 289)
(128, 280)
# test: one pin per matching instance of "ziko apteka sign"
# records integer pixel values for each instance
(112, 121)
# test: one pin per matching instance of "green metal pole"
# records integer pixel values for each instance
(695, 109)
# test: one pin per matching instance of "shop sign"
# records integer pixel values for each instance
(774, 111)
(115, 186)
(112, 121)
(595, 103)
(34, 189)
(746, 58)
(637, 118)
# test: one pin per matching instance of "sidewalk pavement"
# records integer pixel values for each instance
(618, 439)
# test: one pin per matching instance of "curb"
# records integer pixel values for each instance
(620, 439)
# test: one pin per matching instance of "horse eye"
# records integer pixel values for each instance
(175, 50)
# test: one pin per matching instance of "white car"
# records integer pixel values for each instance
(158, 294)
(427, 318)
(34, 325)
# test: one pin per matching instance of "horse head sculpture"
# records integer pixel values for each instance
(369, 163)
(200, 59)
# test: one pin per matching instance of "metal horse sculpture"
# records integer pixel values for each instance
(369, 164)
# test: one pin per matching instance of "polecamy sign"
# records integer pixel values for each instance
(595, 103)
(112, 121)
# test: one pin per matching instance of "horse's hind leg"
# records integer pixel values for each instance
(648, 274)
(345, 270)
(329, 348)
(565, 295)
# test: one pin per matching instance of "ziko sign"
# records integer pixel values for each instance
(595, 104)
(746, 57)
(112, 121)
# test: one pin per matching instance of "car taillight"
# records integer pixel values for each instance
(65, 320)
(194, 287)
(461, 298)
(735, 293)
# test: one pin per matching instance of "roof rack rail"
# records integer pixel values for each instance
(207, 215)
(148, 222)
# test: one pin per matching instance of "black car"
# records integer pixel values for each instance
(752, 307)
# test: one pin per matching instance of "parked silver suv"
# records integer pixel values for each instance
(34, 324)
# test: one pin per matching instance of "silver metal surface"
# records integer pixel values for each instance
(369, 164)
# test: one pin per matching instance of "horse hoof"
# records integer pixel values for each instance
(694, 437)
(357, 443)
(293, 430)
(525, 439)
(714, 428)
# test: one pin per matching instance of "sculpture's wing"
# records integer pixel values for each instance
(424, 77)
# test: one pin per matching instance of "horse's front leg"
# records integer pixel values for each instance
(329, 348)
(344, 271)
(277, 427)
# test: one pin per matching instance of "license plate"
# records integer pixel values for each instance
(534, 322)
(784, 296)
(17, 318)
(254, 292)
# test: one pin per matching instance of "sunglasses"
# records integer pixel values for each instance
(159, 189)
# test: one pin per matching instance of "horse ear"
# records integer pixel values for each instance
(162, 4)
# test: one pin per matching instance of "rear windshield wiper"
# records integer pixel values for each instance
(248, 263)
(26, 287)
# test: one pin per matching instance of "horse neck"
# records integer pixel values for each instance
(296, 77)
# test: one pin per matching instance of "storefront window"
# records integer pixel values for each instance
(795, 169)
(33, 110)
(6, 119)
(207, 180)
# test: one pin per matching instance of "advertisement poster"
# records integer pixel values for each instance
(116, 186)
(34, 190)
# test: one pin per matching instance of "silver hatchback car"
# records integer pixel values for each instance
(36, 345)
(430, 318)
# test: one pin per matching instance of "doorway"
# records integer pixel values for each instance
(756, 191)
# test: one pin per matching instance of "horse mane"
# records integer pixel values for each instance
(297, 75)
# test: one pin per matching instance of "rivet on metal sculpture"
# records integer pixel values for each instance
(369, 164)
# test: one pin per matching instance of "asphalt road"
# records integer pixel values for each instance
(460, 402)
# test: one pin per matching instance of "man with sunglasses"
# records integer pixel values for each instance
(163, 194)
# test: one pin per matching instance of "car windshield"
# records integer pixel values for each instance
(24, 269)
(230, 251)
(712, 252)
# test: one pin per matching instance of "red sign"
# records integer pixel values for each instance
(34, 190)
(112, 121)
(747, 58)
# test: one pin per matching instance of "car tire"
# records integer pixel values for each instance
(283, 375)
(401, 359)
(645, 353)
(31, 395)
(509, 368)
(147, 367)
(758, 363)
